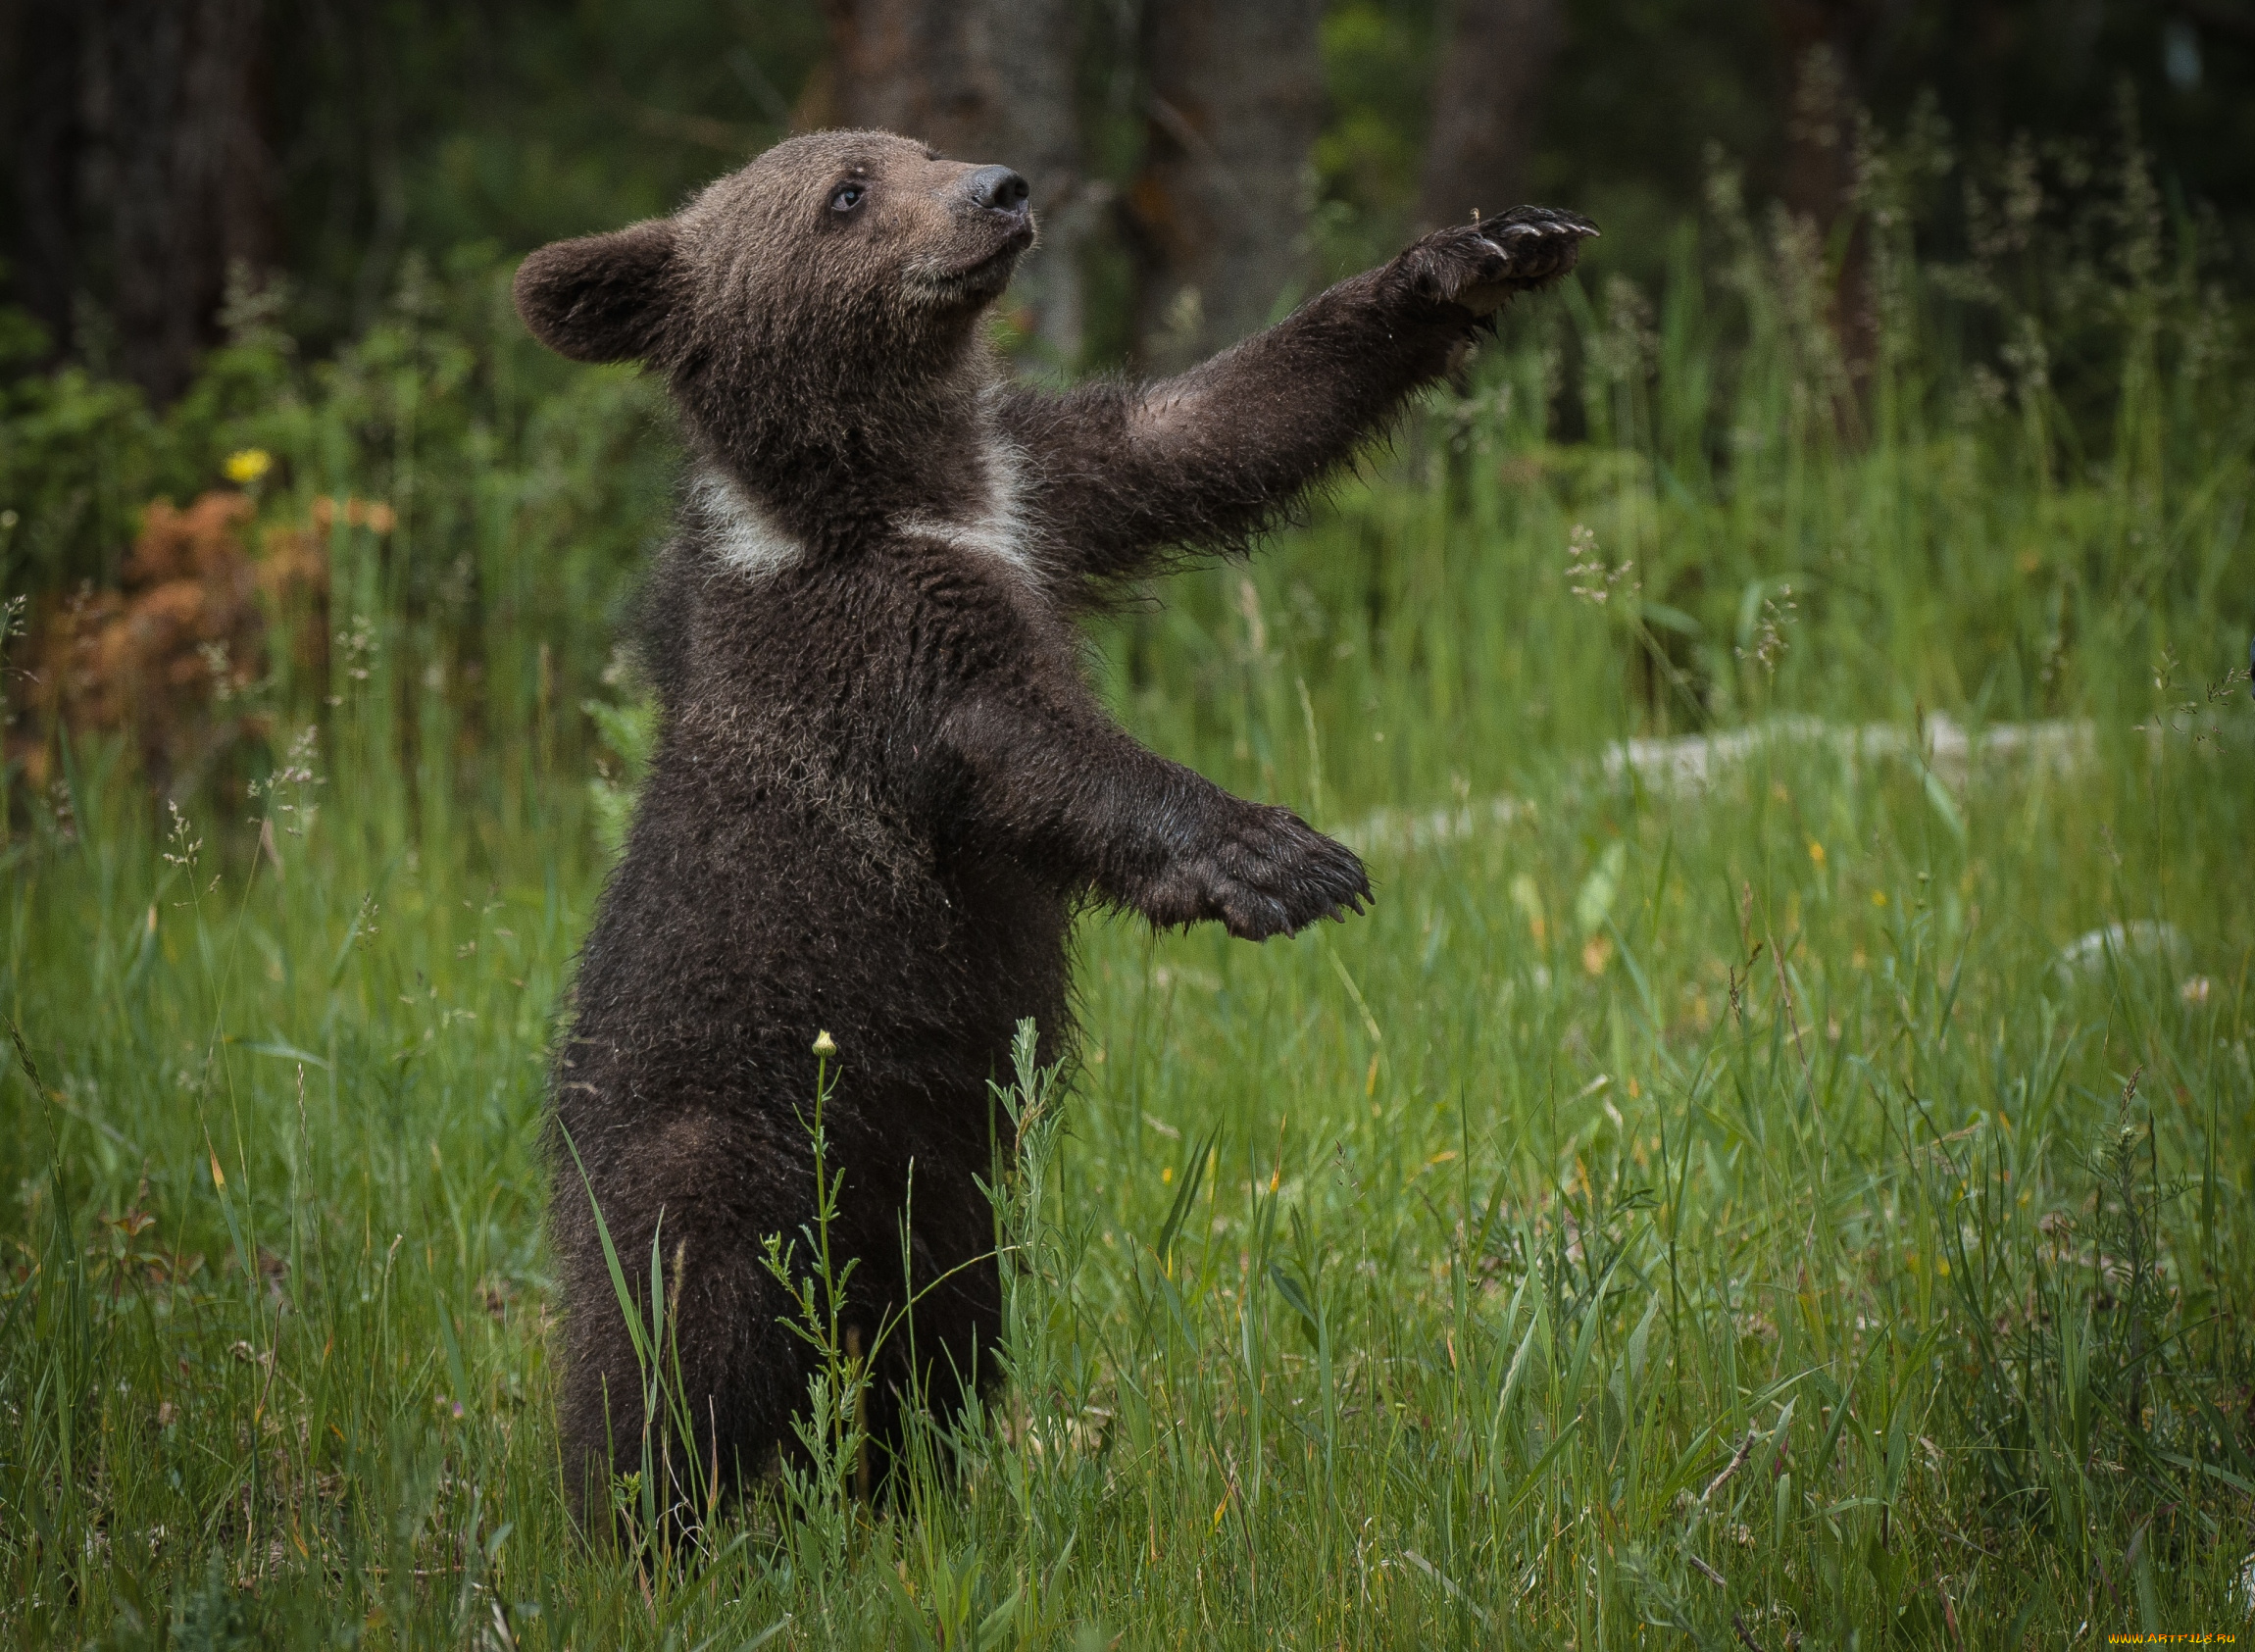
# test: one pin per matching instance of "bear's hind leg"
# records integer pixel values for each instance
(688, 1430)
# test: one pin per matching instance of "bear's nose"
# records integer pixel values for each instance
(998, 187)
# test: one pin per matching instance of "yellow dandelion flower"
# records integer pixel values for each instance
(246, 465)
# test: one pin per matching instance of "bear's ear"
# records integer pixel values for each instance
(601, 298)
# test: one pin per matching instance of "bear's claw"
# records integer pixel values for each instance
(1537, 243)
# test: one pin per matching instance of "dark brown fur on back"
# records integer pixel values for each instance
(882, 785)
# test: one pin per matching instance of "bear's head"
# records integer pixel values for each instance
(836, 274)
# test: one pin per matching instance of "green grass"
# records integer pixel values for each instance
(1669, 1218)
(1506, 1240)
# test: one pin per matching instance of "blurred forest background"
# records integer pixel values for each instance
(281, 231)
(1238, 148)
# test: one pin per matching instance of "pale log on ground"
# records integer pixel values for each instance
(990, 81)
(1487, 104)
(1220, 208)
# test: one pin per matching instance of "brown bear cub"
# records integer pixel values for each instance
(882, 785)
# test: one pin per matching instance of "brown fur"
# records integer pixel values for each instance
(881, 784)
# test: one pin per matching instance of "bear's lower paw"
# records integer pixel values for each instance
(1265, 873)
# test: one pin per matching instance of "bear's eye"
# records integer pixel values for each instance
(846, 197)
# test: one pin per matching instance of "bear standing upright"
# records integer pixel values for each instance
(881, 784)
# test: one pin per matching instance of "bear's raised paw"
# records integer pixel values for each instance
(1480, 265)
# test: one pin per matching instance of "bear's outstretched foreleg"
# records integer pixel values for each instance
(1211, 458)
(1062, 786)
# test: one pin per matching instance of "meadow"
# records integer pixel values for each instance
(1799, 1203)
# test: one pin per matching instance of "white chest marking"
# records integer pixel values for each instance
(997, 528)
(745, 538)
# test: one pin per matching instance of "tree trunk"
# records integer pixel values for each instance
(981, 80)
(1819, 37)
(189, 185)
(142, 173)
(1488, 103)
(1826, 44)
(1220, 207)
(45, 48)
